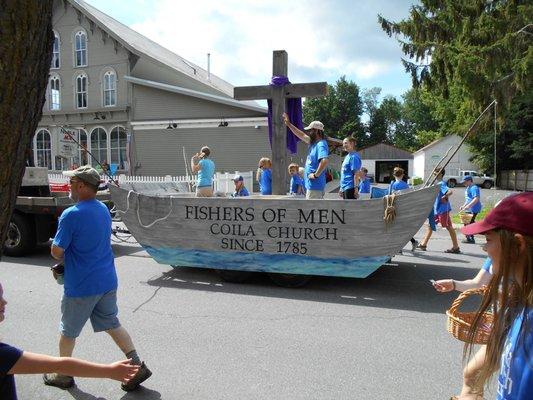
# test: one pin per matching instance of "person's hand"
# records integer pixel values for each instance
(444, 285)
(195, 157)
(122, 371)
(286, 119)
(462, 208)
(311, 176)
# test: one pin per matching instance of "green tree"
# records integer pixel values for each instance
(340, 111)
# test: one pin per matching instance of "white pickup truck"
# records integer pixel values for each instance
(484, 181)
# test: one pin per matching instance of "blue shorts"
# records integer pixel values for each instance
(101, 309)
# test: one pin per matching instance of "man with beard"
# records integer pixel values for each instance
(83, 243)
(317, 157)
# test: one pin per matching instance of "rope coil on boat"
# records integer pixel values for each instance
(390, 210)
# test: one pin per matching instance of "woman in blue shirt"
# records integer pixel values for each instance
(201, 164)
(350, 170)
(472, 203)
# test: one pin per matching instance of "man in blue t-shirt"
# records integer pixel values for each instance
(202, 165)
(83, 244)
(472, 203)
(350, 170)
(317, 157)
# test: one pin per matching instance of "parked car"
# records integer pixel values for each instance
(482, 180)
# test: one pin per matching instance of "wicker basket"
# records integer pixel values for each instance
(465, 218)
(459, 323)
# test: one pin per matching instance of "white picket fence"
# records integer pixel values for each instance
(223, 181)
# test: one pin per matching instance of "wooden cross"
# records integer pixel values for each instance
(279, 96)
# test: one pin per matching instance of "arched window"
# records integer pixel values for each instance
(56, 62)
(81, 157)
(43, 149)
(99, 144)
(80, 49)
(110, 89)
(55, 93)
(81, 91)
(118, 147)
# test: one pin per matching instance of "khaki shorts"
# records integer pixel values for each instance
(205, 191)
(314, 194)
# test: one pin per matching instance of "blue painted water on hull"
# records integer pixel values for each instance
(264, 262)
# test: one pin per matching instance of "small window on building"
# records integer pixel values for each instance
(110, 89)
(80, 49)
(99, 144)
(81, 91)
(43, 149)
(56, 63)
(55, 93)
(118, 147)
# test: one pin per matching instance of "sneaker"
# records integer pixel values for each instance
(414, 245)
(57, 380)
(142, 374)
(468, 241)
(456, 250)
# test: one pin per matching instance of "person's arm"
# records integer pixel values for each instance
(57, 252)
(300, 134)
(33, 363)
(474, 201)
(321, 167)
(447, 285)
(195, 167)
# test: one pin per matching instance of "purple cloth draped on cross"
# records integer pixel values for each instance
(294, 110)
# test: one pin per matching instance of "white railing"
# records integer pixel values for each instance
(223, 181)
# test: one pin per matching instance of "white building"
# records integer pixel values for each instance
(380, 160)
(427, 157)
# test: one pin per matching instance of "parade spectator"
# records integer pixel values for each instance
(509, 243)
(350, 170)
(364, 182)
(264, 176)
(83, 244)
(297, 183)
(317, 157)
(397, 185)
(240, 189)
(14, 361)
(205, 168)
(472, 203)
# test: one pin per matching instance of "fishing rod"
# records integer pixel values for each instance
(104, 170)
(470, 130)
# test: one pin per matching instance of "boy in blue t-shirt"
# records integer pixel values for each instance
(364, 183)
(396, 186)
(240, 189)
(297, 183)
(472, 203)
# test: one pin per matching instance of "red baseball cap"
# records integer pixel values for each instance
(514, 213)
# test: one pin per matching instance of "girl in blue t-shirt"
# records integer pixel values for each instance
(264, 176)
(297, 183)
(14, 361)
(509, 234)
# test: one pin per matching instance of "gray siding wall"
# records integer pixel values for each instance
(383, 151)
(150, 103)
(100, 56)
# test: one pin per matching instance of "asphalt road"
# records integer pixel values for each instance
(383, 337)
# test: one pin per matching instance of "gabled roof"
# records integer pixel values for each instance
(433, 143)
(144, 47)
(384, 151)
(199, 95)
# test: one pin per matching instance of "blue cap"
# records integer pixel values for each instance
(238, 178)
(467, 178)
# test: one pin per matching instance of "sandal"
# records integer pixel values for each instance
(455, 250)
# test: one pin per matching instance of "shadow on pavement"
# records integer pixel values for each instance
(401, 286)
(141, 393)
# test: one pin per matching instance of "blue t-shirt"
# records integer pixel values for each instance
(487, 265)
(472, 192)
(397, 185)
(515, 381)
(205, 175)
(364, 185)
(84, 233)
(241, 193)
(265, 181)
(440, 207)
(296, 182)
(8, 358)
(317, 151)
(350, 165)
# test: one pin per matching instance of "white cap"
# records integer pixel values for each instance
(315, 125)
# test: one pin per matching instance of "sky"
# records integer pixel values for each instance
(325, 39)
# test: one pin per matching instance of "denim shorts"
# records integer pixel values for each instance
(101, 309)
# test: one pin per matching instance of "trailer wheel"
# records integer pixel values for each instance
(289, 280)
(233, 276)
(487, 184)
(452, 183)
(21, 238)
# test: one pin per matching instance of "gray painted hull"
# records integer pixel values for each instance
(270, 233)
